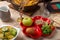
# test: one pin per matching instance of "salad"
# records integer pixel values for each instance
(37, 26)
(7, 32)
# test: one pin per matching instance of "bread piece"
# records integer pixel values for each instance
(56, 21)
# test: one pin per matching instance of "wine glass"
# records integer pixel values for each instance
(21, 8)
(45, 12)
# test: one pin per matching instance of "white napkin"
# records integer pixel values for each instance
(4, 8)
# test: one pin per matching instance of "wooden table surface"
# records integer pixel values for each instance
(21, 36)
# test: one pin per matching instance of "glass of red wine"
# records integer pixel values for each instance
(45, 12)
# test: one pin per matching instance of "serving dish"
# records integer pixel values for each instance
(43, 25)
(26, 7)
(17, 29)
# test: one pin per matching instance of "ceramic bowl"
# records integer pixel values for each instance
(14, 28)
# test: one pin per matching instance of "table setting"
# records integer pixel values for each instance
(21, 24)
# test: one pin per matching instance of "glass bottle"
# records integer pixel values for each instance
(5, 13)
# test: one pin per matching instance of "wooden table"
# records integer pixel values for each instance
(21, 36)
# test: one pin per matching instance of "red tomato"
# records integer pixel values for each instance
(46, 20)
(42, 19)
(35, 18)
(37, 32)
